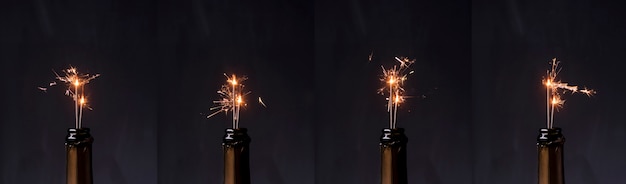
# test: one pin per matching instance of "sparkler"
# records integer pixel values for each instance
(394, 80)
(232, 94)
(554, 89)
(76, 87)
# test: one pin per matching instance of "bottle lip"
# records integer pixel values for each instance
(393, 136)
(236, 136)
(78, 129)
(238, 130)
(77, 137)
(549, 136)
(395, 130)
(554, 129)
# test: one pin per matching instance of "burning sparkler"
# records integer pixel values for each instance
(76, 89)
(232, 94)
(394, 80)
(554, 89)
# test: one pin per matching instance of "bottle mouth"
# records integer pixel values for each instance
(236, 136)
(78, 136)
(393, 136)
(550, 135)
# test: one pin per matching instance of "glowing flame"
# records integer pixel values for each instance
(239, 100)
(395, 77)
(554, 89)
(76, 83)
(233, 80)
(232, 94)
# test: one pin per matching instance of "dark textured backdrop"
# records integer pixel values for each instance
(271, 43)
(476, 113)
(161, 64)
(512, 43)
(350, 114)
(114, 38)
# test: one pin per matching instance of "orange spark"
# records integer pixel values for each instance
(76, 83)
(554, 90)
(395, 78)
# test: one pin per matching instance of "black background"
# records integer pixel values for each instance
(477, 104)
(350, 114)
(512, 45)
(116, 39)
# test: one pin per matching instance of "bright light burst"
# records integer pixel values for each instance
(394, 80)
(554, 90)
(232, 94)
(76, 89)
